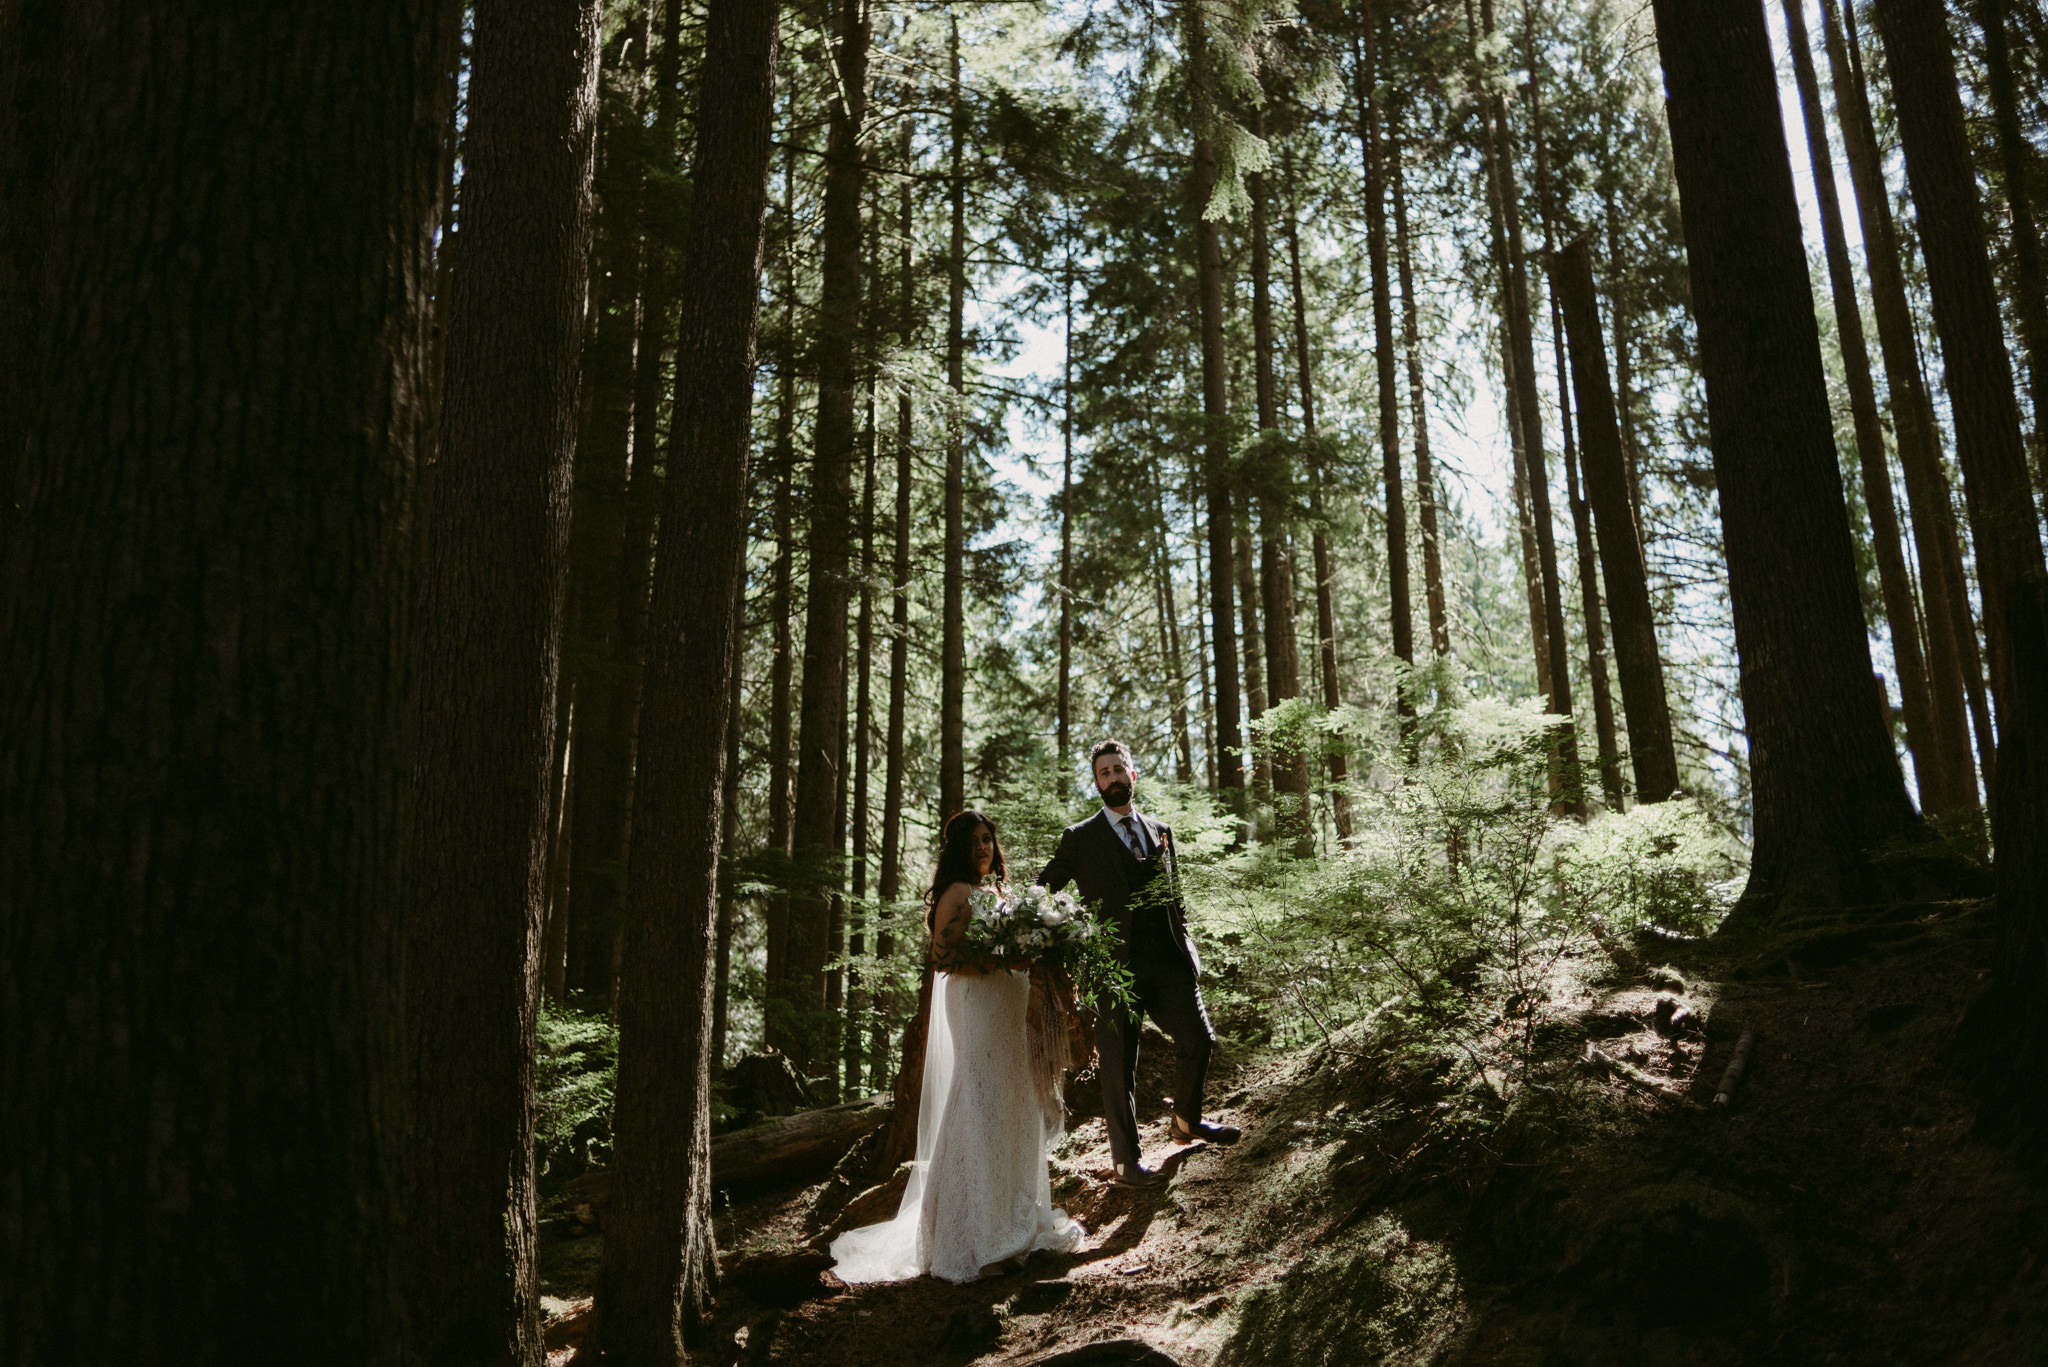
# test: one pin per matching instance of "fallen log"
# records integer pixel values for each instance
(806, 1144)
(1737, 1065)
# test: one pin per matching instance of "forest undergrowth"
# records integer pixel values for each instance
(1475, 1057)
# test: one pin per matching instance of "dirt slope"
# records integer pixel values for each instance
(1383, 1207)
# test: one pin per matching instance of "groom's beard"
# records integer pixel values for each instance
(1117, 795)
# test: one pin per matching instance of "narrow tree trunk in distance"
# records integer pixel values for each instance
(596, 556)
(1319, 536)
(854, 1050)
(1418, 409)
(659, 1265)
(1254, 646)
(1521, 342)
(1936, 771)
(2005, 531)
(1183, 745)
(953, 639)
(1365, 60)
(211, 507)
(1645, 709)
(554, 949)
(646, 473)
(1951, 676)
(1532, 570)
(1833, 825)
(889, 880)
(782, 608)
(1276, 579)
(821, 723)
(1229, 746)
(728, 847)
(490, 629)
(1582, 532)
(2014, 151)
(1496, 203)
(1589, 594)
(1063, 753)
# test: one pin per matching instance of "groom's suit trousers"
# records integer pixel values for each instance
(1169, 994)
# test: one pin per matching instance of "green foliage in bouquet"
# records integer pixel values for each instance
(1016, 928)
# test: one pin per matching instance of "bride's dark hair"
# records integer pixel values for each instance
(956, 856)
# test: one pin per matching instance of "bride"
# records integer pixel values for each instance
(979, 1192)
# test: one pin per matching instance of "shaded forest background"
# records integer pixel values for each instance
(528, 590)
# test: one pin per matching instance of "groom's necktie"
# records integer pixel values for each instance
(1132, 838)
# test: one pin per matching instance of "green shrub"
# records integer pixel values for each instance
(576, 1069)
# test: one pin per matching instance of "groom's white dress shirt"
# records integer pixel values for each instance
(1125, 833)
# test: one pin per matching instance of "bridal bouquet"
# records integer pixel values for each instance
(1048, 926)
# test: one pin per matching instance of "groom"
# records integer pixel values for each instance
(1123, 862)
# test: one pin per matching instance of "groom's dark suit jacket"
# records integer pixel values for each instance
(1126, 893)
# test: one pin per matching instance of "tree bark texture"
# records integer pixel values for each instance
(1944, 779)
(2011, 574)
(820, 737)
(490, 631)
(1833, 826)
(1645, 709)
(213, 415)
(659, 1265)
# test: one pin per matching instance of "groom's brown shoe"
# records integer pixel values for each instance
(1183, 1133)
(1137, 1175)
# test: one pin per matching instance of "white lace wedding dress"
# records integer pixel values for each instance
(979, 1192)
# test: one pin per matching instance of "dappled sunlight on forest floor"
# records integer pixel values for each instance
(1584, 1203)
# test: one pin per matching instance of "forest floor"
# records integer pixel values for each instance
(1385, 1206)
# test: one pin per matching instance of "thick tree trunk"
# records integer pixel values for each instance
(206, 536)
(659, 1265)
(1229, 747)
(1418, 409)
(1319, 539)
(1388, 402)
(953, 629)
(1952, 675)
(490, 630)
(1944, 780)
(1645, 709)
(821, 734)
(1833, 825)
(2011, 574)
